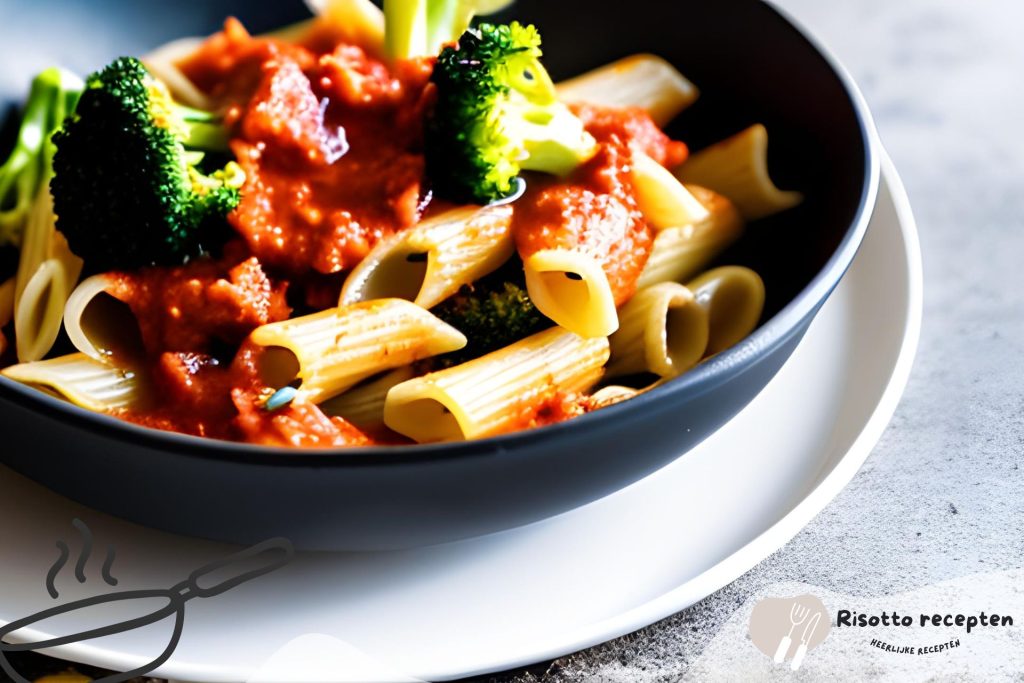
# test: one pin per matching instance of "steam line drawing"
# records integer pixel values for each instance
(83, 558)
(221, 576)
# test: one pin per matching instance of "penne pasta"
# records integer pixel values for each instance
(734, 299)
(644, 81)
(334, 350)
(47, 273)
(433, 260)
(498, 392)
(664, 201)
(99, 325)
(572, 289)
(86, 382)
(738, 168)
(663, 331)
(683, 252)
(363, 405)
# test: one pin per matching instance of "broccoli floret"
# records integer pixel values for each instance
(496, 115)
(53, 95)
(493, 314)
(418, 28)
(128, 191)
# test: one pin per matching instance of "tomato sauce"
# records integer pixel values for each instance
(330, 139)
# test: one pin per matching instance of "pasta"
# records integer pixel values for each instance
(47, 272)
(572, 289)
(432, 261)
(371, 227)
(682, 252)
(733, 297)
(486, 396)
(664, 201)
(738, 169)
(363, 405)
(333, 351)
(88, 383)
(664, 331)
(98, 325)
(643, 81)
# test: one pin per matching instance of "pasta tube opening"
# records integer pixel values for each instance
(738, 168)
(101, 326)
(572, 289)
(643, 81)
(664, 331)
(498, 392)
(431, 261)
(734, 299)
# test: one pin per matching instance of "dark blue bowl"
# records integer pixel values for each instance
(752, 65)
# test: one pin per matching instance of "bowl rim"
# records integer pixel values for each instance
(774, 333)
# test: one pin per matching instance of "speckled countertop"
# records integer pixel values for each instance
(942, 496)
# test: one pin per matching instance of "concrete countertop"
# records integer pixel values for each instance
(942, 496)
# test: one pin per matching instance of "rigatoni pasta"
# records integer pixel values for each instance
(572, 289)
(738, 168)
(733, 297)
(432, 261)
(332, 351)
(86, 382)
(47, 273)
(664, 201)
(682, 252)
(497, 392)
(664, 331)
(363, 405)
(643, 81)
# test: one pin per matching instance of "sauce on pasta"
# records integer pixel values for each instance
(338, 146)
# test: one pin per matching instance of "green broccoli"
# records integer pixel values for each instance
(53, 95)
(496, 115)
(493, 314)
(419, 28)
(128, 190)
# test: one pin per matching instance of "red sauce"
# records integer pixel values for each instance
(331, 155)
(330, 139)
(594, 211)
(190, 307)
(637, 128)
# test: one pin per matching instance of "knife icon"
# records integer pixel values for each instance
(812, 625)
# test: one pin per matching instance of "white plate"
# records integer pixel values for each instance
(548, 589)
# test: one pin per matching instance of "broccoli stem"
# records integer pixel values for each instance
(206, 131)
(418, 28)
(405, 28)
(53, 96)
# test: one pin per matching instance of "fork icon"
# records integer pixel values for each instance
(797, 614)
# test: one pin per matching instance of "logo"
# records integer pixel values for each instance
(205, 582)
(787, 628)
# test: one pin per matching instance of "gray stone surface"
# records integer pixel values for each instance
(942, 496)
